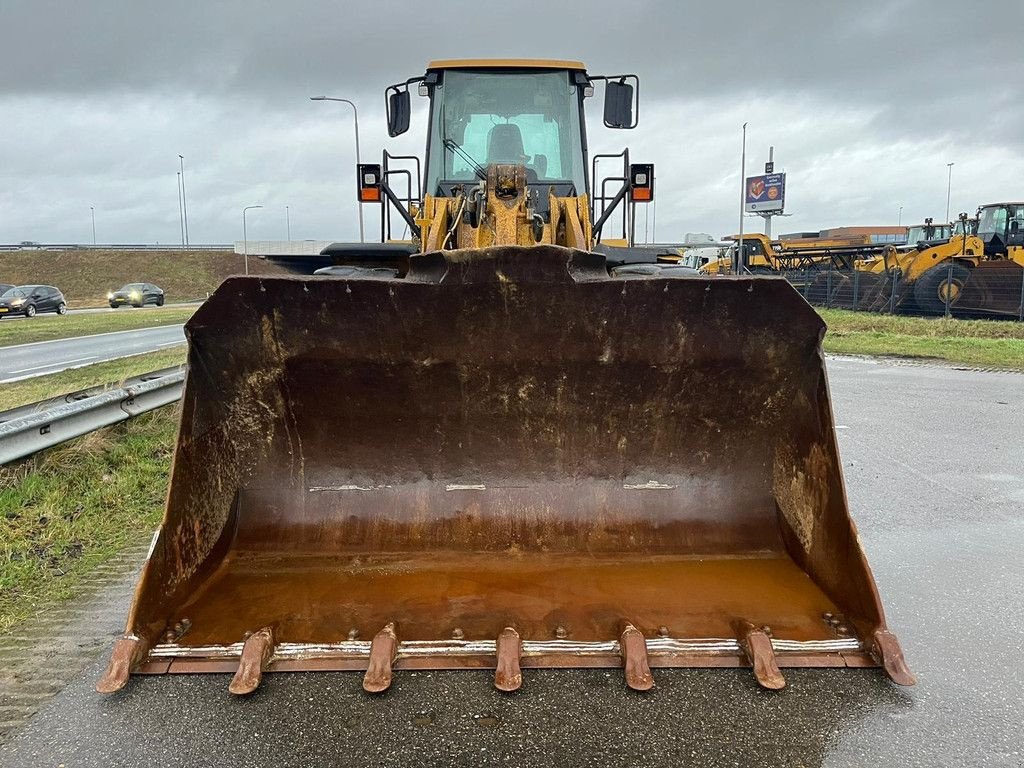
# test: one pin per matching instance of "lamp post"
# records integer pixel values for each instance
(181, 214)
(743, 200)
(92, 210)
(245, 235)
(949, 187)
(899, 217)
(355, 118)
(184, 204)
(288, 223)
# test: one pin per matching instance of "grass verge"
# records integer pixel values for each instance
(68, 510)
(85, 276)
(981, 343)
(49, 327)
(109, 374)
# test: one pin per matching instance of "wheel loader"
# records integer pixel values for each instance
(485, 448)
(974, 271)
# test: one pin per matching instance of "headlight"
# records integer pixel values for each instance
(135, 294)
(110, 295)
(17, 302)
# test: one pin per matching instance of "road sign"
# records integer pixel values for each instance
(765, 194)
(769, 167)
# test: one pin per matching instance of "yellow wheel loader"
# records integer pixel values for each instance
(482, 449)
(977, 270)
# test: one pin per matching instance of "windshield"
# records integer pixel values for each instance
(526, 118)
(992, 221)
(13, 293)
(132, 287)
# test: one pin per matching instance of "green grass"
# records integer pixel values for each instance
(47, 327)
(110, 374)
(981, 343)
(72, 508)
(86, 276)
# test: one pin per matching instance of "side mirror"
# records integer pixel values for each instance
(398, 112)
(618, 104)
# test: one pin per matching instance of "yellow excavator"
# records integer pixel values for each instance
(482, 448)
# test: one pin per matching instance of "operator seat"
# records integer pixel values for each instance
(505, 145)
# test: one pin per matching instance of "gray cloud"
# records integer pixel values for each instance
(865, 102)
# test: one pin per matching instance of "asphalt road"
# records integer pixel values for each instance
(933, 465)
(23, 361)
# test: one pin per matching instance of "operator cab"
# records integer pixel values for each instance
(1001, 226)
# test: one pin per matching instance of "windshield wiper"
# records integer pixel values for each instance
(477, 168)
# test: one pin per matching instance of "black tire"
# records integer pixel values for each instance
(30, 310)
(62, 308)
(159, 301)
(137, 306)
(930, 289)
(113, 305)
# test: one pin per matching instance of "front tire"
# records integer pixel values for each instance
(30, 310)
(62, 308)
(159, 301)
(931, 289)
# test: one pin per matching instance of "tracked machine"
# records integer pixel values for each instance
(487, 447)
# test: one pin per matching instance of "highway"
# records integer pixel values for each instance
(24, 361)
(931, 456)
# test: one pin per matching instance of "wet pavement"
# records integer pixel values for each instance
(933, 462)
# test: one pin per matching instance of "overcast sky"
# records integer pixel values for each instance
(865, 103)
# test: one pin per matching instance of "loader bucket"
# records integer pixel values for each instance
(506, 459)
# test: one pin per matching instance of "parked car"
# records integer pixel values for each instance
(28, 300)
(136, 294)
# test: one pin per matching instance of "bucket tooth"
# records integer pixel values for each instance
(887, 650)
(126, 655)
(508, 676)
(758, 647)
(634, 658)
(256, 654)
(382, 652)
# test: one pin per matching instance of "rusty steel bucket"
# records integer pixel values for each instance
(505, 459)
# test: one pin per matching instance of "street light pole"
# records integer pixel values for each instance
(949, 187)
(245, 235)
(184, 204)
(743, 199)
(899, 217)
(355, 118)
(181, 214)
(92, 210)
(288, 223)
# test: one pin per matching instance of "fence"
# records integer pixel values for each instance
(993, 289)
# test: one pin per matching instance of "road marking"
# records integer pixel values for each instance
(93, 336)
(170, 344)
(53, 365)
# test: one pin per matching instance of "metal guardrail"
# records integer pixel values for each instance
(32, 428)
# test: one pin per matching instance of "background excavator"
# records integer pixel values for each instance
(482, 448)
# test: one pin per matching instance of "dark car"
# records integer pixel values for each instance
(29, 300)
(136, 294)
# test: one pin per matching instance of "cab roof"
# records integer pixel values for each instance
(505, 64)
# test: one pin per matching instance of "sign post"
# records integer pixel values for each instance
(766, 195)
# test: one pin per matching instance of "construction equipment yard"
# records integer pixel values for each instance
(938, 519)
